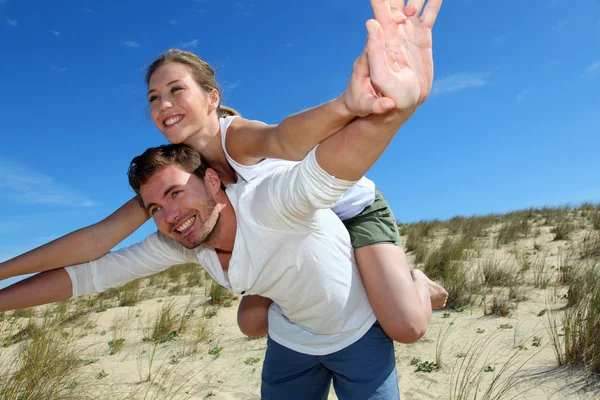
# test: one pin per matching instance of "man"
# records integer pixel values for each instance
(276, 237)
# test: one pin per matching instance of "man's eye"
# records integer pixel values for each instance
(153, 210)
(176, 192)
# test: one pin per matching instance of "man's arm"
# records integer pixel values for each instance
(400, 67)
(44, 288)
(155, 254)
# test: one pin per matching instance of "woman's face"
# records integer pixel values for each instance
(178, 106)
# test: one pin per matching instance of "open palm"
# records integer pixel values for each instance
(397, 64)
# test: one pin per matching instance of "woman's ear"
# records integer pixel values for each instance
(214, 98)
(212, 181)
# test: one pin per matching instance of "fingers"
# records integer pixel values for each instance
(361, 65)
(431, 12)
(377, 55)
(382, 12)
(414, 7)
(398, 16)
(398, 5)
(381, 105)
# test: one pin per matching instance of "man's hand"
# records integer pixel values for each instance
(396, 68)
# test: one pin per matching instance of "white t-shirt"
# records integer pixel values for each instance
(289, 247)
(359, 196)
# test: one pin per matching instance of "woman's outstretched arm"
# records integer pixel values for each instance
(83, 245)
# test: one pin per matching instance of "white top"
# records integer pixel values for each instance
(361, 195)
(289, 247)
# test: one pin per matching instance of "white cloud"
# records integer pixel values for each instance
(26, 186)
(245, 9)
(55, 33)
(456, 82)
(560, 25)
(173, 22)
(8, 227)
(550, 64)
(187, 45)
(229, 86)
(501, 39)
(131, 44)
(593, 69)
(520, 98)
(11, 22)
(57, 68)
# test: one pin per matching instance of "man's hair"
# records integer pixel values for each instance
(153, 160)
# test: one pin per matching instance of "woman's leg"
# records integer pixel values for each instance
(402, 301)
(253, 316)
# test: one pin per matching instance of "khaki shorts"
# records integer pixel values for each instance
(375, 224)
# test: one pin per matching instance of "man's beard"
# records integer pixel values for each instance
(210, 229)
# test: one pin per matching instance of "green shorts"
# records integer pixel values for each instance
(375, 224)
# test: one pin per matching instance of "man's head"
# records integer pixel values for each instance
(179, 190)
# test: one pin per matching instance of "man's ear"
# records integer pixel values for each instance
(212, 181)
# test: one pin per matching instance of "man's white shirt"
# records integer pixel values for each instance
(289, 247)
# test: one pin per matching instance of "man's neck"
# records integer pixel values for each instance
(224, 238)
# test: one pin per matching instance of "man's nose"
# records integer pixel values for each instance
(171, 214)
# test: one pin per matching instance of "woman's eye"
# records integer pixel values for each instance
(176, 88)
(176, 192)
(152, 98)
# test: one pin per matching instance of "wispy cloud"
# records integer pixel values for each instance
(229, 86)
(26, 186)
(593, 70)
(457, 82)
(501, 39)
(520, 98)
(173, 22)
(11, 22)
(550, 65)
(7, 227)
(288, 45)
(245, 9)
(560, 25)
(187, 45)
(56, 68)
(131, 44)
(55, 33)
(88, 10)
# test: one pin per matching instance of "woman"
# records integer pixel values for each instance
(185, 106)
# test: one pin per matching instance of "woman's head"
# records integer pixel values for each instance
(183, 94)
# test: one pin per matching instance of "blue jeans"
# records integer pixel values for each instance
(364, 370)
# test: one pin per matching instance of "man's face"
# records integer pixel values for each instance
(182, 206)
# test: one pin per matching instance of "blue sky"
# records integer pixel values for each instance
(510, 124)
